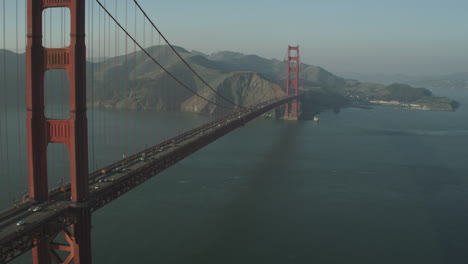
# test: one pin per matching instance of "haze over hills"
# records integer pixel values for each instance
(134, 81)
(446, 81)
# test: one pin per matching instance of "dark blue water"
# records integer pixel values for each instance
(362, 186)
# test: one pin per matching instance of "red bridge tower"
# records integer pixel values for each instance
(72, 132)
(292, 82)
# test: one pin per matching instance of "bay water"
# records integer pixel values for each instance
(385, 185)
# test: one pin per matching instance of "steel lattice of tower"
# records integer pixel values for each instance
(72, 132)
(292, 82)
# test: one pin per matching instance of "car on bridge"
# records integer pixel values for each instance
(35, 208)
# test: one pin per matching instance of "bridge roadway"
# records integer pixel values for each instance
(111, 182)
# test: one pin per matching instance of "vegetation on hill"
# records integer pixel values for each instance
(396, 91)
(134, 81)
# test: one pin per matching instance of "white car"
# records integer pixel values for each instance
(35, 208)
(20, 223)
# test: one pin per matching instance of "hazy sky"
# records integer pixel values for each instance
(414, 36)
(363, 36)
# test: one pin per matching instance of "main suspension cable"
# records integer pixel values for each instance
(159, 64)
(183, 60)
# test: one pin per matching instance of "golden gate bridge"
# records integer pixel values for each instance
(43, 214)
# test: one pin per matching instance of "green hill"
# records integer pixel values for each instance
(135, 81)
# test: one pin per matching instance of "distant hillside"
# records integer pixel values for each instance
(243, 79)
(449, 81)
(134, 81)
(379, 78)
(446, 81)
(149, 86)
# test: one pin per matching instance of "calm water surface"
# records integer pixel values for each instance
(362, 186)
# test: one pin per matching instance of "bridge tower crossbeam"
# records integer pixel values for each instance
(71, 132)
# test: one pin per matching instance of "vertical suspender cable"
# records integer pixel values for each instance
(163, 99)
(170, 84)
(25, 44)
(104, 79)
(4, 79)
(18, 127)
(92, 89)
(62, 93)
(62, 79)
(127, 73)
(167, 82)
(88, 54)
(116, 81)
(44, 28)
(5, 100)
(144, 31)
(52, 110)
(50, 26)
(99, 71)
(143, 124)
(25, 23)
(135, 83)
(165, 79)
(109, 80)
(53, 87)
(103, 82)
(118, 92)
(152, 46)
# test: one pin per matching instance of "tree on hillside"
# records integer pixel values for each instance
(406, 93)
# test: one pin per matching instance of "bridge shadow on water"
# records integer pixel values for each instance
(255, 226)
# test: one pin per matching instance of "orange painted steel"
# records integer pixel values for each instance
(292, 82)
(72, 132)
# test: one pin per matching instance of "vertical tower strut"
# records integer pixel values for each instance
(72, 132)
(292, 82)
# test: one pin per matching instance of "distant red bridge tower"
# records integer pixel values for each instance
(72, 132)
(292, 82)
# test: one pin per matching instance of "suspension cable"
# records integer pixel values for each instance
(4, 79)
(145, 125)
(50, 26)
(98, 76)
(159, 64)
(92, 90)
(135, 86)
(183, 60)
(116, 47)
(126, 83)
(109, 79)
(104, 81)
(18, 127)
(5, 100)
(62, 110)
